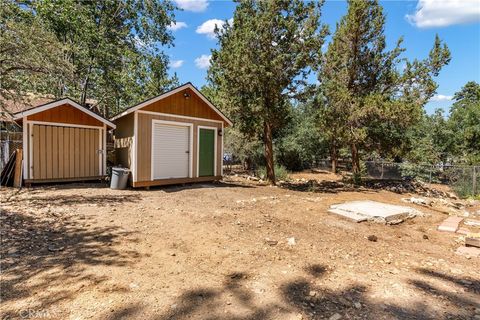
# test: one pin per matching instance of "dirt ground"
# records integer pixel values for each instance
(221, 251)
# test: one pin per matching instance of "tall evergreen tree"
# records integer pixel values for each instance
(428, 141)
(369, 101)
(263, 61)
(464, 121)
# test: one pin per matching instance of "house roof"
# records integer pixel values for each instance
(8, 107)
(56, 103)
(169, 93)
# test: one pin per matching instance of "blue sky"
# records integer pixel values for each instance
(457, 22)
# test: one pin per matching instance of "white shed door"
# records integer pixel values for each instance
(170, 151)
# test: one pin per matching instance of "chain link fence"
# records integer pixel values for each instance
(9, 142)
(464, 180)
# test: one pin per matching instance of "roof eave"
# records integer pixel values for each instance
(53, 104)
(167, 94)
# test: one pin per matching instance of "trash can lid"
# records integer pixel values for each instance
(121, 169)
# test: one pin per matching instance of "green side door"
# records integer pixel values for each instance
(206, 154)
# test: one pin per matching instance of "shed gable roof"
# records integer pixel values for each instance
(57, 103)
(169, 94)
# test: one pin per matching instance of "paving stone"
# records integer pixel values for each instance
(468, 251)
(450, 224)
(472, 240)
(472, 222)
(463, 231)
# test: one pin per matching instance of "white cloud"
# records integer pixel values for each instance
(208, 27)
(203, 62)
(192, 5)
(442, 13)
(174, 26)
(176, 63)
(441, 97)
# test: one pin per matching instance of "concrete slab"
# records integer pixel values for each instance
(349, 215)
(374, 211)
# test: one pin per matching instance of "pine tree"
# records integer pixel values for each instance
(465, 122)
(369, 101)
(262, 63)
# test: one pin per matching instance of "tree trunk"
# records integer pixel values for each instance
(355, 160)
(247, 164)
(61, 88)
(83, 98)
(267, 137)
(334, 158)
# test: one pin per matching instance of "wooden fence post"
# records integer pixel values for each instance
(17, 178)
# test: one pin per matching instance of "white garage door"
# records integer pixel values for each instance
(170, 151)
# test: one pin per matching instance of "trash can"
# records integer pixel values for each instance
(119, 178)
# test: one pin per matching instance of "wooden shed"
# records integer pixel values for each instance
(176, 137)
(63, 141)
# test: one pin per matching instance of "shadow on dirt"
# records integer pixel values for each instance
(300, 298)
(367, 186)
(41, 257)
(75, 200)
(211, 185)
(320, 186)
(467, 283)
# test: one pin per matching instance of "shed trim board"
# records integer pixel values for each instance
(64, 179)
(221, 167)
(178, 116)
(30, 150)
(169, 93)
(24, 146)
(102, 153)
(190, 146)
(135, 144)
(58, 103)
(214, 148)
(59, 124)
(103, 169)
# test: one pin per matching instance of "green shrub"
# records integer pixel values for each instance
(461, 181)
(291, 159)
(281, 172)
